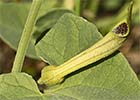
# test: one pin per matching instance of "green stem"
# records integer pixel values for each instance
(78, 7)
(26, 36)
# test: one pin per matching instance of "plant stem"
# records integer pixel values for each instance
(78, 7)
(26, 36)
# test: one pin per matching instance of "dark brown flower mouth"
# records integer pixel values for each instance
(121, 29)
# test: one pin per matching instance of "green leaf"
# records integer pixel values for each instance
(108, 79)
(67, 38)
(17, 85)
(12, 19)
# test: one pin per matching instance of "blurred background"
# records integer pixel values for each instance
(103, 13)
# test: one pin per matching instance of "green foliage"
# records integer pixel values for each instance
(111, 78)
(108, 79)
(17, 85)
(66, 39)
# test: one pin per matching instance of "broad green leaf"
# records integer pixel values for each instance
(16, 86)
(12, 19)
(67, 38)
(108, 79)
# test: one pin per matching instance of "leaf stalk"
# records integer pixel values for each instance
(26, 36)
